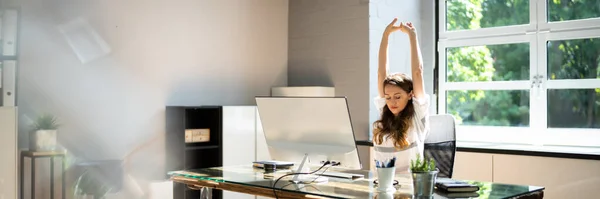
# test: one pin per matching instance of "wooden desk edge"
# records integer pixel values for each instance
(258, 191)
(43, 153)
(539, 194)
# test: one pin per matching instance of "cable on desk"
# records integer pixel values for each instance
(309, 183)
(291, 174)
(334, 164)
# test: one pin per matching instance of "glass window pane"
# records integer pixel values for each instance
(574, 59)
(475, 14)
(503, 62)
(564, 10)
(574, 108)
(489, 108)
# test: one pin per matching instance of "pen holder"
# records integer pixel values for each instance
(385, 195)
(385, 178)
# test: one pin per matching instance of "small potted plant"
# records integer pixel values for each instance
(424, 174)
(43, 135)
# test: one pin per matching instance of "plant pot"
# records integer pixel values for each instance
(42, 140)
(423, 182)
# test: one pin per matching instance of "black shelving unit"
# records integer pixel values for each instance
(186, 156)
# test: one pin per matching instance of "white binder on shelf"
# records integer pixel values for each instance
(1, 19)
(9, 33)
(1, 79)
(9, 82)
(8, 65)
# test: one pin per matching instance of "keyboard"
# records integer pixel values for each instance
(351, 176)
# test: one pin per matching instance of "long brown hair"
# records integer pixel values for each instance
(390, 125)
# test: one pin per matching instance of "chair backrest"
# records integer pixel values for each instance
(440, 144)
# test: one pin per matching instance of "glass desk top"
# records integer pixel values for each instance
(249, 176)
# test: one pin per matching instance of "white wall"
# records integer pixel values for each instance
(421, 14)
(329, 47)
(335, 43)
(427, 43)
(176, 52)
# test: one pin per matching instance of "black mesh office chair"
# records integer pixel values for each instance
(441, 143)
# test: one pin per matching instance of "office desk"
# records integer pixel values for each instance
(246, 179)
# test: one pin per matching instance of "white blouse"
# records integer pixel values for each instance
(416, 136)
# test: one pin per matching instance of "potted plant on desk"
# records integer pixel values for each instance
(43, 135)
(423, 174)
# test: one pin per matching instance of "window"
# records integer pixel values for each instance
(521, 71)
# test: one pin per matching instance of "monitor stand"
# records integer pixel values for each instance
(308, 178)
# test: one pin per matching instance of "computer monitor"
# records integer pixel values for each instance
(315, 128)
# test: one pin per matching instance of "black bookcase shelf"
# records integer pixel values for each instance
(185, 156)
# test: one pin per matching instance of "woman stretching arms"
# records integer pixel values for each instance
(402, 102)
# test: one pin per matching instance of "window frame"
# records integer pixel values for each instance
(492, 85)
(485, 32)
(537, 33)
(544, 25)
(564, 136)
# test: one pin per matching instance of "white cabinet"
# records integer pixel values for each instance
(561, 177)
(473, 166)
(239, 140)
(243, 137)
(243, 140)
(8, 153)
(262, 151)
(239, 135)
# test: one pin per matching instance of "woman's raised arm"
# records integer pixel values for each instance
(383, 67)
(416, 60)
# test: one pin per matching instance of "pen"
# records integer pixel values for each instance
(386, 163)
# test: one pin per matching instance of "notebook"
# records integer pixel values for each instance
(457, 194)
(272, 165)
(451, 185)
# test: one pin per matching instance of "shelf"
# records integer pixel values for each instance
(201, 147)
(194, 155)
